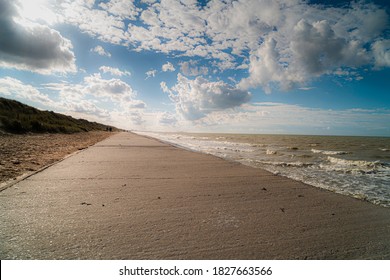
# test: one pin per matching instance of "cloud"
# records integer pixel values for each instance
(168, 67)
(314, 50)
(38, 10)
(167, 119)
(194, 99)
(264, 67)
(149, 1)
(308, 40)
(190, 68)
(317, 49)
(137, 104)
(348, 75)
(107, 91)
(11, 88)
(114, 71)
(101, 51)
(77, 99)
(164, 87)
(32, 47)
(306, 88)
(319, 44)
(381, 50)
(106, 23)
(73, 103)
(114, 89)
(269, 117)
(263, 117)
(86, 108)
(284, 43)
(125, 9)
(150, 73)
(136, 118)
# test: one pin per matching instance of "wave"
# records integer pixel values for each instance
(286, 164)
(315, 151)
(354, 166)
(271, 152)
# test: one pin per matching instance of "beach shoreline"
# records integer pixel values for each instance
(132, 197)
(337, 165)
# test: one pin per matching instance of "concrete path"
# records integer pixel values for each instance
(130, 197)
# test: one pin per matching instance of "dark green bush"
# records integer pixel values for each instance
(36, 126)
(16, 126)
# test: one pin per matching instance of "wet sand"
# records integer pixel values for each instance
(131, 197)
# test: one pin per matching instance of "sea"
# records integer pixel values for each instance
(354, 166)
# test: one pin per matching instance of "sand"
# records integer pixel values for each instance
(25, 154)
(131, 197)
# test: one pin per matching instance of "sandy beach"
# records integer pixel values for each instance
(27, 153)
(132, 197)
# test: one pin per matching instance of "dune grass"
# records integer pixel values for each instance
(18, 118)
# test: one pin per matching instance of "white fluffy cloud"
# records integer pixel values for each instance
(326, 41)
(32, 47)
(74, 103)
(168, 67)
(99, 22)
(101, 51)
(114, 90)
(164, 87)
(86, 108)
(264, 67)
(381, 51)
(123, 8)
(194, 99)
(286, 42)
(108, 91)
(10, 87)
(151, 73)
(114, 71)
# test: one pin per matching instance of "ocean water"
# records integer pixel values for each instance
(353, 166)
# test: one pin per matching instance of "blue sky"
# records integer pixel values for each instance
(242, 66)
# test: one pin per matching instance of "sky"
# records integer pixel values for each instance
(233, 66)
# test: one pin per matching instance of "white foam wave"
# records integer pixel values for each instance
(315, 151)
(286, 164)
(354, 166)
(357, 163)
(271, 152)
